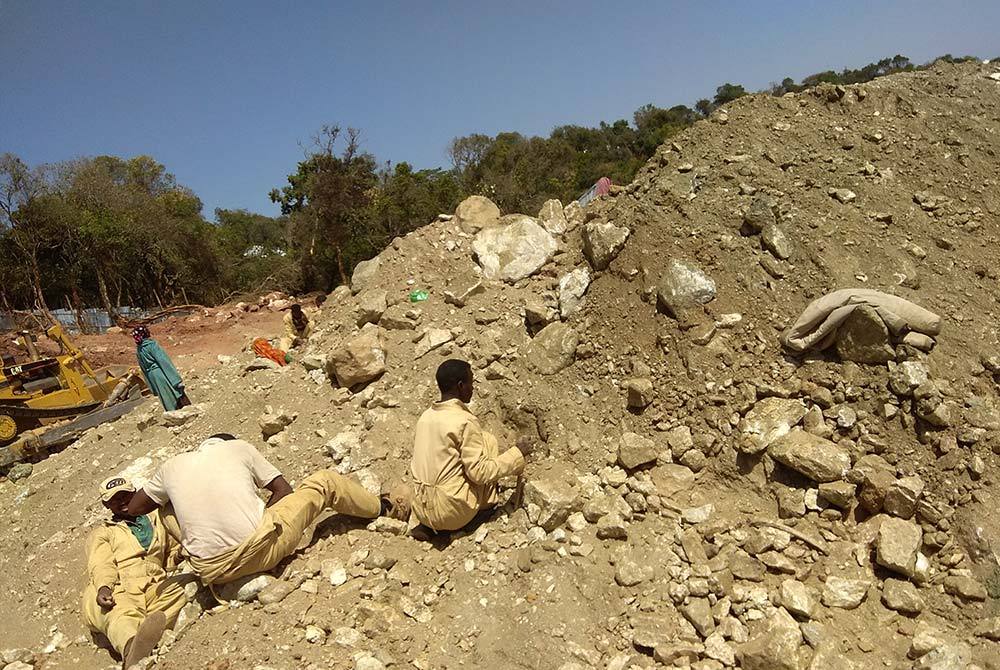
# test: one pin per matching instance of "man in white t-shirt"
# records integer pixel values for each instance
(227, 530)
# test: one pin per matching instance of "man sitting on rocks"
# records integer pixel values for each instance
(225, 527)
(298, 327)
(128, 597)
(456, 464)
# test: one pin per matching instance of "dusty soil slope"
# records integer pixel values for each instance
(645, 538)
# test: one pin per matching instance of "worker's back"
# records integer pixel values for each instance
(214, 494)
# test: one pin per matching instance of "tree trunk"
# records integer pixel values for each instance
(36, 285)
(105, 298)
(74, 307)
(340, 268)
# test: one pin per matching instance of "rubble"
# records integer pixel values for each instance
(514, 250)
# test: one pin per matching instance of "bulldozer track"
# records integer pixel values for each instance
(46, 412)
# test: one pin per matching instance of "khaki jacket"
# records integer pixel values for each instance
(292, 333)
(455, 459)
(115, 557)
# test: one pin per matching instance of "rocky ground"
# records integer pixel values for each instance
(704, 499)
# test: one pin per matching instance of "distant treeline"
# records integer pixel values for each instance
(110, 231)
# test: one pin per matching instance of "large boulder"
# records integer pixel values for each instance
(552, 217)
(897, 545)
(769, 419)
(552, 349)
(864, 338)
(774, 646)
(365, 274)
(360, 359)
(475, 213)
(554, 490)
(572, 287)
(818, 459)
(513, 251)
(684, 286)
(602, 242)
(635, 450)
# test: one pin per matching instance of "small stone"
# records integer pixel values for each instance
(907, 376)
(314, 635)
(553, 489)
(819, 459)
(552, 349)
(776, 241)
(631, 571)
(432, 339)
(759, 215)
(640, 392)
(864, 338)
(902, 496)
(276, 591)
(372, 303)
(901, 596)
(602, 242)
(795, 598)
(964, 587)
(698, 611)
(682, 287)
(874, 487)
(774, 646)
(179, 417)
(770, 419)
(694, 515)
(611, 527)
(844, 593)
(635, 450)
(897, 545)
(839, 494)
(360, 359)
(989, 628)
(19, 471)
(843, 195)
(572, 288)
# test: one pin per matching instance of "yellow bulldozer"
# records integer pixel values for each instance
(44, 390)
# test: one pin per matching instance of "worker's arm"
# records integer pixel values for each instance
(480, 467)
(279, 488)
(141, 504)
(102, 571)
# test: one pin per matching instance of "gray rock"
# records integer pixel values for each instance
(475, 213)
(919, 341)
(682, 287)
(897, 545)
(901, 596)
(343, 445)
(795, 598)
(553, 218)
(365, 274)
(611, 527)
(19, 471)
(602, 242)
(272, 423)
(776, 241)
(514, 250)
(371, 304)
(632, 569)
(399, 317)
(964, 587)
(635, 450)
(179, 417)
(843, 195)
(818, 459)
(245, 589)
(314, 362)
(769, 419)
(839, 494)
(698, 611)
(902, 496)
(874, 486)
(951, 656)
(639, 393)
(432, 339)
(459, 295)
(759, 215)
(277, 591)
(359, 360)
(572, 288)
(989, 628)
(555, 491)
(774, 646)
(864, 338)
(552, 349)
(844, 593)
(907, 376)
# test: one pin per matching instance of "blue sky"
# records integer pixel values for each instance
(224, 93)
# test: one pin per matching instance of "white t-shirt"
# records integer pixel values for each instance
(214, 493)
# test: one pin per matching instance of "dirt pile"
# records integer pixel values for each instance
(705, 499)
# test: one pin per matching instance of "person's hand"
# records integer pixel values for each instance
(104, 598)
(525, 445)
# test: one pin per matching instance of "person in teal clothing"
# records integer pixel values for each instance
(159, 370)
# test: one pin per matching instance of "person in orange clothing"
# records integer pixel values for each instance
(129, 598)
(456, 464)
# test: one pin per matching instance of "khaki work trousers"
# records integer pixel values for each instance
(284, 524)
(135, 599)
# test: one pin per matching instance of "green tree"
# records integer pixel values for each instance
(727, 93)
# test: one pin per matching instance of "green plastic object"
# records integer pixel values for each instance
(418, 295)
